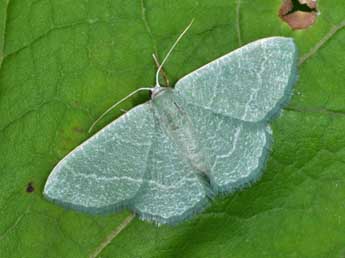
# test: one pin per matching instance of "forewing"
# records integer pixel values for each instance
(250, 83)
(106, 171)
(173, 190)
(235, 150)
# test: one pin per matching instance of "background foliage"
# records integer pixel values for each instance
(63, 62)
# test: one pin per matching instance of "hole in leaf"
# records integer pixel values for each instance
(298, 14)
(30, 188)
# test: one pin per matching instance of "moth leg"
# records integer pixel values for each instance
(162, 72)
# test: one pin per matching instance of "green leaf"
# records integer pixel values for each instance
(63, 62)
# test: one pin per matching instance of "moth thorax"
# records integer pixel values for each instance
(176, 124)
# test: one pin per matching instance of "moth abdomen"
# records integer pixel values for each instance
(176, 124)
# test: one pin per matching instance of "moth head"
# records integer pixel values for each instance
(157, 90)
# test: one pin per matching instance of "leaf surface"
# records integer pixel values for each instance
(62, 63)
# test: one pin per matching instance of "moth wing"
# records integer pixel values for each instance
(250, 83)
(173, 190)
(235, 150)
(105, 172)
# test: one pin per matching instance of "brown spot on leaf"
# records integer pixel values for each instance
(78, 130)
(299, 14)
(30, 187)
(76, 103)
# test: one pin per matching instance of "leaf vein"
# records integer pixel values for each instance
(112, 235)
(322, 42)
(238, 18)
(147, 26)
(2, 43)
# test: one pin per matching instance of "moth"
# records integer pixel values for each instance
(167, 158)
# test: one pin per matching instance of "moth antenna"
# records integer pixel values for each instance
(171, 49)
(141, 89)
(162, 70)
(116, 104)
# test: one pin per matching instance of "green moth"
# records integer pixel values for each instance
(165, 159)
